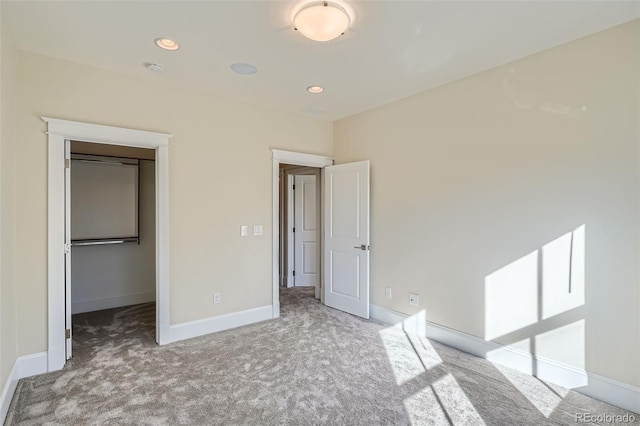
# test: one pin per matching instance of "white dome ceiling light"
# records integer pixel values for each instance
(321, 20)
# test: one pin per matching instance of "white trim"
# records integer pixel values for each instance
(299, 159)
(608, 390)
(112, 302)
(25, 366)
(86, 132)
(188, 330)
(290, 222)
(612, 391)
(58, 131)
(163, 294)
(55, 262)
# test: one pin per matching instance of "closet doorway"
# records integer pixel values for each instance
(60, 133)
(111, 264)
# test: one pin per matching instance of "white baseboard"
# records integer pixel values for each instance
(608, 390)
(188, 330)
(25, 366)
(112, 302)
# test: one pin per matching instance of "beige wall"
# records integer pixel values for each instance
(220, 178)
(478, 185)
(112, 275)
(8, 346)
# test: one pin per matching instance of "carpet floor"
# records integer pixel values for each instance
(315, 365)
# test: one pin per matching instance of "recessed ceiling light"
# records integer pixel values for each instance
(315, 89)
(166, 44)
(244, 69)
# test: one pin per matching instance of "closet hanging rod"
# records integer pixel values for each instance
(99, 242)
(115, 163)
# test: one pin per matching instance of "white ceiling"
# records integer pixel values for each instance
(394, 48)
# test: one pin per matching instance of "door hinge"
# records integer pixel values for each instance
(294, 187)
(294, 229)
(67, 248)
(294, 273)
(66, 163)
(67, 333)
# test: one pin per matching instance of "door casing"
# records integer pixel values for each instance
(58, 132)
(298, 159)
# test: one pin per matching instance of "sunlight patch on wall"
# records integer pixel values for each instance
(511, 297)
(563, 273)
(416, 324)
(564, 344)
(534, 300)
(505, 356)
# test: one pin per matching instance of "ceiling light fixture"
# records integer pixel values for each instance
(315, 89)
(321, 20)
(166, 44)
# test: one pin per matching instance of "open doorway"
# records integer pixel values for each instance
(60, 133)
(300, 207)
(343, 227)
(112, 262)
(283, 217)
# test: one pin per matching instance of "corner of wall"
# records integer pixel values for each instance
(8, 319)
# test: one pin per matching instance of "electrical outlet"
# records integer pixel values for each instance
(414, 299)
(257, 229)
(387, 292)
(217, 298)
(244, 230)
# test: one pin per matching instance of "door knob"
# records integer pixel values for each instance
(362, 247)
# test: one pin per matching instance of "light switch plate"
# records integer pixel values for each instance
(387, 292)
(257, 229)
(244, 231)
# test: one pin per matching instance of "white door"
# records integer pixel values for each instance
(305, 233)
(67, 243)
(346, 244)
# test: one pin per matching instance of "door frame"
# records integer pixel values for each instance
(298, 159)
(289, 230)
(58, 131)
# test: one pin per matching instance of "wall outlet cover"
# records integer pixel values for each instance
(244, 230)
(414, 299)
(257, 229)
(217, 298)
(387, 292)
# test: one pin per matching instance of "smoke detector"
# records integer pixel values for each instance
(153, 67)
